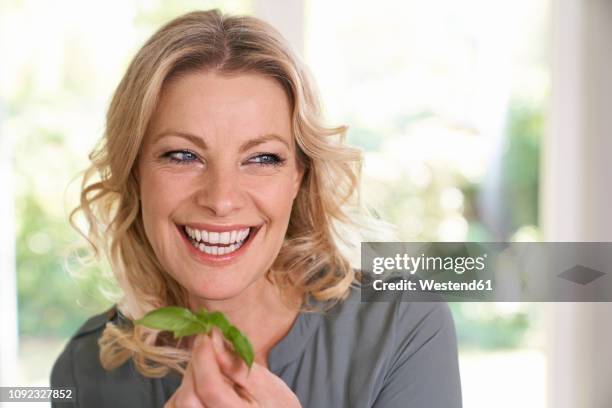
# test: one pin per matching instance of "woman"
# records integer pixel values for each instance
(219, 187)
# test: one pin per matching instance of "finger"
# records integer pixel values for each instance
(211, 386)
(258, 382)
(263, 385)
(230, 364)
(171, 403)
(185, 396)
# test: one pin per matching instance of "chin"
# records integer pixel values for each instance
(218, 288)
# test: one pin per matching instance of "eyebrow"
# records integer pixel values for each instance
(245, 146)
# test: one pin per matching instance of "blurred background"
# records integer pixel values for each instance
(480, 121)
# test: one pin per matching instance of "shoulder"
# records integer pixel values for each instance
(94, 326)
(411, 344)
(389, 328)
(391, 314)
(79, 366)
(392, 339)
(81, 347)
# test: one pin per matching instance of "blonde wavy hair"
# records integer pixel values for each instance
(313, 259)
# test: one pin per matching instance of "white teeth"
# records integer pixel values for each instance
(224, 237)
(213, 237)
(218, 250)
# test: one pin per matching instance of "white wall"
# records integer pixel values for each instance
(577, 193)
(287, 16)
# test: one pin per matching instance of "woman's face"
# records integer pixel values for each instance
(218, 175)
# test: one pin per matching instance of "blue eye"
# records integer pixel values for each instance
(181, 156)
(267, 159)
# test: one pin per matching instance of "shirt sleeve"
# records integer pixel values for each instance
(424, 372)
(79, 366)
(62, 376)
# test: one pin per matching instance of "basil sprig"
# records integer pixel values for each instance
(182, 322)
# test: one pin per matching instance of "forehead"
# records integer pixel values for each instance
(212, 104)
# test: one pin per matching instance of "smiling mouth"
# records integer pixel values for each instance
(218, 243)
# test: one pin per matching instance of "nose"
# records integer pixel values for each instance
(220, 191)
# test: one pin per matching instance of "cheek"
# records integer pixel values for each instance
(274, 198)
(160, 196)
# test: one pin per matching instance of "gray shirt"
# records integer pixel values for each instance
(358, 354)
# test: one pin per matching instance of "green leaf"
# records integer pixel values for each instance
(218, 319)
(202, 316)
(183, 322)
(241, 344)
(191, 329)
(171, 318)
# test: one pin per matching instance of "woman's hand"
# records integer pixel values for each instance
(215, 377)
